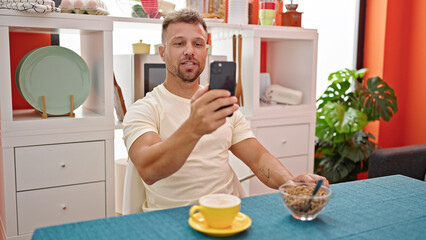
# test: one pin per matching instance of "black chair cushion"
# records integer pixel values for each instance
(409, 161)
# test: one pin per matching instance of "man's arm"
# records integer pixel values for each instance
(266, 167)
(155, 159)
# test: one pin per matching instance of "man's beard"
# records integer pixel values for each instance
(185, 76)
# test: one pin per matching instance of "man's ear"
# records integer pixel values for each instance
(161, 50)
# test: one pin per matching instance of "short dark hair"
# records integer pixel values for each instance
(185, 15)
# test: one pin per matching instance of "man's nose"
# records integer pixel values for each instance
(189, 50)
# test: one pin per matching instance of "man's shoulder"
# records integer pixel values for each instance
(155, 97)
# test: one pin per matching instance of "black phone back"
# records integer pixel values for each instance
(222, 75)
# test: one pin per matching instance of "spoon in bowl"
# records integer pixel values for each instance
(308, 205)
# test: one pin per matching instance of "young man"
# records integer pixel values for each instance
(177, 138)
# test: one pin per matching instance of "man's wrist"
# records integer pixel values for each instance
(286, 178)
(190, 131)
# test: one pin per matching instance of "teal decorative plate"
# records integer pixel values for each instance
(18, 69)
(56, 73)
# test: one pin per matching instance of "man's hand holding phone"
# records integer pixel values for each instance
(222, 76)
(205, 115)
(211, 105)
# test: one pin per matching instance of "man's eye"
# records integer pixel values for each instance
(178, 43)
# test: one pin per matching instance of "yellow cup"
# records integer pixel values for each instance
(266, 16)
(218, 210)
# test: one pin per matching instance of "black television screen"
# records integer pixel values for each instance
(154, 75)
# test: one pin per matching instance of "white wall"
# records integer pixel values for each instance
(337, 24)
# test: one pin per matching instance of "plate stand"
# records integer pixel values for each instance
(45, 115)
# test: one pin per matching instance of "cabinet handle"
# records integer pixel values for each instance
(283, 141)
(64, 207)
(63, 165)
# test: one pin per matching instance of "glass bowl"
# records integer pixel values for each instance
(295, 196)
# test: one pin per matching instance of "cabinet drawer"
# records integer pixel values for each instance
(60, 164)
(296, 165)
(52, 206)
(284, 141)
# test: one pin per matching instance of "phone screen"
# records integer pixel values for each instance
(222, 76)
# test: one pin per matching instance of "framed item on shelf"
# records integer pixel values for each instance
(208, 6)
(200, 6)
(217, 7)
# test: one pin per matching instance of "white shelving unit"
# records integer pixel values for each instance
(47, 162)
(287, 131)
(60, 169)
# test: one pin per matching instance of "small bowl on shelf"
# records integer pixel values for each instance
(296, 195)
(141, 48)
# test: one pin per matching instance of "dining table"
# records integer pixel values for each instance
(390, 207)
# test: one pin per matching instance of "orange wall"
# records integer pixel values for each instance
(374, 41)
(402, 54)
(395, 70)
(416, 91)
(374, 47)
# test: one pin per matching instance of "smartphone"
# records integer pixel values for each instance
(222, 76)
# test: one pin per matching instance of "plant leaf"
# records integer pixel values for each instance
(343, 121)
(357, 149)
(335, 92)
(333, 114)
(340, 137)
(324, 148)
(353, 121)
(360, 73)
(340, 76)
(379, 100)
(335, 167)
(323, 131)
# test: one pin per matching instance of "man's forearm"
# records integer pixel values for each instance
(271, 172)
(163, 158)
(264, 165)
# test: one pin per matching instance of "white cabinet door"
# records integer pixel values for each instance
(52, 206)
(59, 164)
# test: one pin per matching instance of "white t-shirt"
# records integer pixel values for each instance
(207, 168)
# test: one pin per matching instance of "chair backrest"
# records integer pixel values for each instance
(409, 161)
(133, 191)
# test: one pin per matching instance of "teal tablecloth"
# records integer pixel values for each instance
(381, 208)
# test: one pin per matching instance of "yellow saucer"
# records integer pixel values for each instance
(241, 223)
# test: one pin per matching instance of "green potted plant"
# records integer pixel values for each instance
(342, 148)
